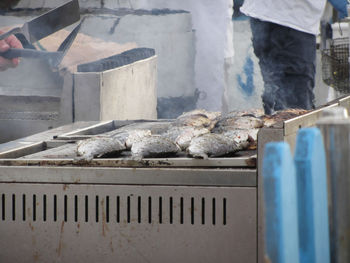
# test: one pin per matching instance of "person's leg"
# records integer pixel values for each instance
(294, 53)
(262, 48)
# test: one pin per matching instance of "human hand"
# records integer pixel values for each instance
(10, 42)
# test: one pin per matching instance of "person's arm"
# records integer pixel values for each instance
(10, 42)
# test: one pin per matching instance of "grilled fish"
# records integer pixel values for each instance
(211, 115)
(280, 116)
(238, 122)
(182, 135)
(195, 120)
(246, 139)
(249, 112)
(212, 145)
(98, 146)
(153, 146)
(136, 135)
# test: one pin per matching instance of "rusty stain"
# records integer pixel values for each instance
(62, 227)
(78, 229)
(36, 256)
(65, 187)
(59, 249)
(111, 245)
(104, 223)
(31, 226)
(251, 162)
(33, 240)
(77, 180)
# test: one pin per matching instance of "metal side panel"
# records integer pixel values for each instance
(264, 136)
(110, 223)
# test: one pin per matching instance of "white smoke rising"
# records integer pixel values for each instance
(212, 21)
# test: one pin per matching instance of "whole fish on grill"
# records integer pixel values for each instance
(128, 137)
(182, 135)
(237, 122)
(195, 120)
(136, 135)
(212, 145)
(246, 139)
(154, 146)
(249, 112)
(280, 116)
(211, 115)
(98, 146)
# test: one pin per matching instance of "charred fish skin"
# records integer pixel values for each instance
(98, 146)
(154, 146)
(211, 145)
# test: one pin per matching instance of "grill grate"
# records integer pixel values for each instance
(103, 205)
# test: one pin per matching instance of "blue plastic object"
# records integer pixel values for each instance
(311, 174)
(340, 6)
(280, 202)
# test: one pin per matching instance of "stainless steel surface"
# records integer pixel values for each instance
(139, 176)
(337, 143)
(111, 223)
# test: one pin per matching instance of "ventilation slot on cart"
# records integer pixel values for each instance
(118, 209)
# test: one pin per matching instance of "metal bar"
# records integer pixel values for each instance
(129, 176)
(234, 162)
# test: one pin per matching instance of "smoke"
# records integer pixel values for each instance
(212, 22)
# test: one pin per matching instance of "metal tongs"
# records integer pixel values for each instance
(45, 25)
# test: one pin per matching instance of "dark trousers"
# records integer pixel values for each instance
(287, 62)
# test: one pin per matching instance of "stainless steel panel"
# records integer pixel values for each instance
(140, 176)
(264, 136)
(108, 223)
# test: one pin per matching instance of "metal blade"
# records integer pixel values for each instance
(52, 21)
(66, 44)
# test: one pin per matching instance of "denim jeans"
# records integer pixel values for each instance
(287, 63)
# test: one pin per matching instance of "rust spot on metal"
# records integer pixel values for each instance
(65, 187)
(104, 223)
(77, 180)
(251, 162)
(62, 227)
(111, 245)
(36, 256)
(59, 249)
(31, 226)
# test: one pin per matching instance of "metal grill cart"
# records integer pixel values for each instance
(122, 210)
